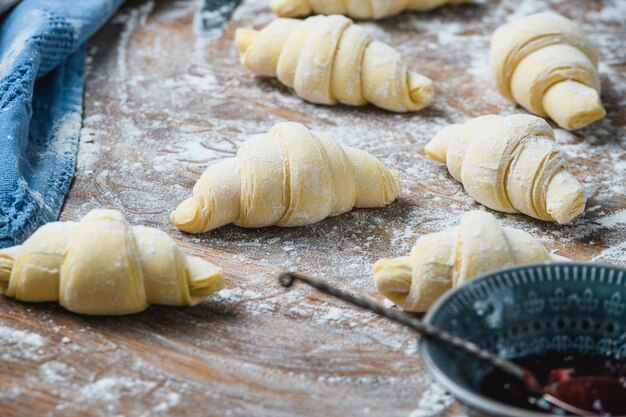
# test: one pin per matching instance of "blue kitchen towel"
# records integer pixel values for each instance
(42, 65)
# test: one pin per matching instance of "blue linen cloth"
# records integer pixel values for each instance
(42, 63)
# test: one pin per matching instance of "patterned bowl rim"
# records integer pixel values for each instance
(477, 401)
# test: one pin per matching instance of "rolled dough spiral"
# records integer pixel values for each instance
(357, 9)
(328, 59)
(291, 176)
(511, 164)
(103, 265)
(441, 261)
(546, 64)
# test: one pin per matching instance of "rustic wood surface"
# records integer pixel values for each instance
(165, 96)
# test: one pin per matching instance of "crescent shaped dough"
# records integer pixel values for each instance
(511, 164)
(329, 59)
(103, 265)
(291, 176)
(545, 63)
(441, 261)
(357, 9)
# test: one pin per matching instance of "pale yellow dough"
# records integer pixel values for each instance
(511, 164)
(444, 260)
(103, 265)
(546, 64)
(329, 59)
(357, 9)
(291, 176)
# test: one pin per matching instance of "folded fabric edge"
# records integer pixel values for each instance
(50, 158)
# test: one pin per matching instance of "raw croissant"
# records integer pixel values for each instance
(328, 59)
(545, 63)
(103, 265)
(511, 164)
(357, 9)
(291, 176)
(441, 261)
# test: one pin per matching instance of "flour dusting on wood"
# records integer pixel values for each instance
(164, 100)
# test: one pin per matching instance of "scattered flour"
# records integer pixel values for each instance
(55, 372)
(616, 219)
(172, 399)
(66, 130)
(21, 345)
(136, 17)
(198, 105)
(112, 388)
(20, 338)
(433, 402)
(613, 255)
(334, 314)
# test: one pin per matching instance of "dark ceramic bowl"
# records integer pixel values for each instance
(522, 311)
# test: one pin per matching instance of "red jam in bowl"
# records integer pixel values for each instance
(594, 383)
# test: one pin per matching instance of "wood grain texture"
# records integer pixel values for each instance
(162, 101)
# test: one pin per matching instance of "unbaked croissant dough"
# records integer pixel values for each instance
(545, 63)
(511, 164)
(328, 59)
(103, 265)
(291, 176)
(441, 261)
(357, 9)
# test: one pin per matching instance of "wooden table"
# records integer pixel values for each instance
(166, 96)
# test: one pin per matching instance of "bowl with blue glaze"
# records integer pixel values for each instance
(523, 311)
